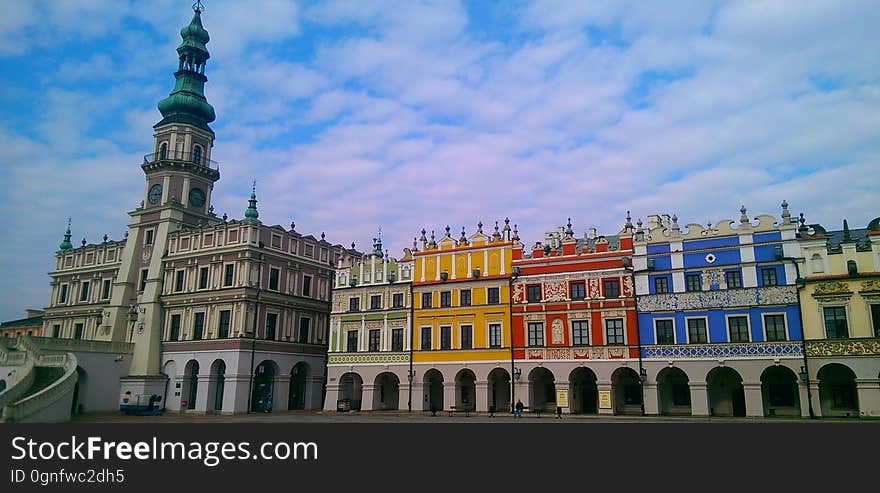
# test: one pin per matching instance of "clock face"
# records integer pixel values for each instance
(197, 197)
(155, 193)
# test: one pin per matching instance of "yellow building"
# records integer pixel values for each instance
(461, 321)
(840, 307)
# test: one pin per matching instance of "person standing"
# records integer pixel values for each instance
(518, 409)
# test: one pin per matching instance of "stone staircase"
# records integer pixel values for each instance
(43, 389)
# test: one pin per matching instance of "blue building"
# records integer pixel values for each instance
(719, 320)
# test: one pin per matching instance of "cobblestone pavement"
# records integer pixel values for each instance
(419, 417)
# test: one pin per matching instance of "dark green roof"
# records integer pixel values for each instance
(24, 322)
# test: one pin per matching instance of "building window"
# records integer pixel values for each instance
(426, 339)
(464, 297)
(692, 282)
(148, 237)
(578, 290)
(78, 331)
(614, 331)
(84, 291)
(56, 331)
(835, 322)
(229, 274)
(661, 285)
(738, 328)
(223, 327)
(768, 276)
(397, 339)
(495, 335)
(733, 278)
(203, 278)
(307, 286)
(352, 343)
(163, 150)
(446, 337)
(144, 274)
(178, 281)
(271, 325)
(354, 304)
(536, 334)
(197, 155)
(697, 331)
(774, 325)
(376, 302)
(494, 296)
(534, 293)
(445, 299)
(374, 340)
(467, 336)
(304, 329)
(612, 289)
(817, 264)
(105, 290)
(665, 331)
(875, 318)
(174, 333)
(62, 296)
(397, 300)
(426, 300)
(199, 326)
(273, 278)
(580, 333)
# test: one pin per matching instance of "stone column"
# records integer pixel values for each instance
(448, 394)
(699, 398)
(804, 400)
(235, 395)
(314, 390)
(605, 386)
(814, 392)
(205, 381)
(754, 399)
(481, 389)
(419, 396)
(564, 385)
(281, 393)
(403, 396)
(368, 389)
(652, 399)
(332, 397)
(868, 396)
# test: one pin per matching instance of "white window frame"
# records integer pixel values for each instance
(605, 330)
(687, 330)
(785, 324)
(489, 324)
(461, 333)
(846, 312)
(656, 334)
(269, 283)
(727, 318)
(529, 334)
(571, 332)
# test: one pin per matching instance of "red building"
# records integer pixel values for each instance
(574, 323)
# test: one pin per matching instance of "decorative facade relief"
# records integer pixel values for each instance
(366, 358)
(770, 295)
(844, 347)
(588, 352)
(871, 285)
(628, 290)
(555, 291)
(593, 288)
(713, 276)
(558, 332)
(518, 293)
(714, 351)
(831, 287)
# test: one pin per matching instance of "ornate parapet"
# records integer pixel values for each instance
(756, 350)
(869, 346)
(586, 352)
(366, 358)
(727, 298)
(80, 345)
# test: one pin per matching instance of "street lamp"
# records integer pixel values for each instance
(517, 374)
(410, 374)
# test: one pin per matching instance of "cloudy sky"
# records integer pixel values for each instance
(353, 115)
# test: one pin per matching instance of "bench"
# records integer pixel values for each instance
(460, 409)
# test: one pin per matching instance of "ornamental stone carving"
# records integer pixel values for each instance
(349, 358)
(845, 347)
(871, 285)
(534, 317)
(770, 295)
(518, 292)
(558, 332)
(831, 287)
(715, 351)
(555, 291)
(628, 287)
(374, 324)
(594, 288)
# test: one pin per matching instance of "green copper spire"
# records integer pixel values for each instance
(251, 213)
(66, 245)
(187, 103)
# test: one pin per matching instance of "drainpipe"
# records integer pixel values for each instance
(412, 326)
(643, 375)
(799, 283)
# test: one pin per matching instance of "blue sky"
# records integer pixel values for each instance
(354, 115)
